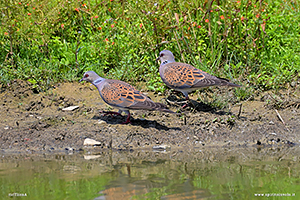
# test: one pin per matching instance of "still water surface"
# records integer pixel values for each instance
(176, 174)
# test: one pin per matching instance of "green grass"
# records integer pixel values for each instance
(253, 43)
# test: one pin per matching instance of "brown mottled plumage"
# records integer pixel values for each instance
(122, 95)
(184, 77)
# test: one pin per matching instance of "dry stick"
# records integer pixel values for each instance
(240, 111)
(175, 33)
(175, 103)
(178, 45)
(209, 34)
(196, 41)
(183, 38)
(77, 49)
(209, 28)
(279, 116)
(11, 46)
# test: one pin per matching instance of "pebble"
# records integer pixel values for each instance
(100, 121)
(89, 157)
(161, 147)
(70, 108)
(89, 141)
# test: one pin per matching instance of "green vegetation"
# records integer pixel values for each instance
(254, 43)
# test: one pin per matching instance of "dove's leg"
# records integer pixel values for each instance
(128, 117)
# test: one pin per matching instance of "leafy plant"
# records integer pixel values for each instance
(254, 43)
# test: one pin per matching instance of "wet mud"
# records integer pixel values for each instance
(37, 122)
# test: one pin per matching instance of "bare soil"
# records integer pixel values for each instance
(35, 122)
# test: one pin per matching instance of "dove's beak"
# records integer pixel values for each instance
(157, 59)
(81, 80)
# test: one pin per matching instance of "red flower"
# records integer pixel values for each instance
(99, 28)
(27, 4)
(189, 28)
(62, 25)
(207, 20)
(141, 25)
(222, 16)
(254, 6)
(112, 25)
(96, 16)
(242, 18)
(257, 16)
(112, 43)
(106, 39)
(199, 26)
(19, 3)
(238, 2)
(29, 14)
(5, 33)
(77, 9)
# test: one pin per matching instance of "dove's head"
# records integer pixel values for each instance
(90, 76)
(166, 56)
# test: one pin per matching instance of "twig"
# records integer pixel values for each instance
(175, 102)
(240, 111)
(279, 116)
(176, 38)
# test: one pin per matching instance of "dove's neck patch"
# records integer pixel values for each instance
(165, 62)
(98, 80)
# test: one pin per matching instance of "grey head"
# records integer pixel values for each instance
(92, 77)
(165, 57)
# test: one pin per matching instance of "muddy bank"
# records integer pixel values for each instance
(36, 122)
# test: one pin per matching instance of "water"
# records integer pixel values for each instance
(176, 174)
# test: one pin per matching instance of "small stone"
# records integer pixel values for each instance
(101, 121)
(161, 147)
(293, 84)
(90, 157)
(70, 108)
(91, 142)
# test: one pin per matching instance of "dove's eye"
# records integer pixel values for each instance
(161, 55)
(86, 75)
